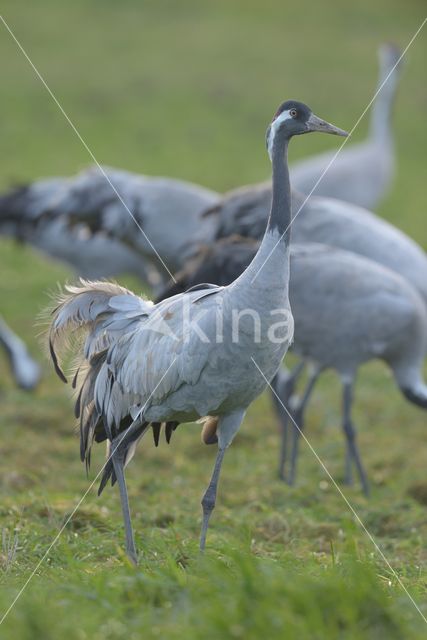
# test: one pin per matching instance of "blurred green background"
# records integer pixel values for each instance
(186, 89)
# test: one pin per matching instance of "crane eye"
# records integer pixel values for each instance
(293, 113)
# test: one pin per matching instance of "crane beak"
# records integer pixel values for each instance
(316, 124)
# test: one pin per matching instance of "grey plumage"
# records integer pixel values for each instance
(142, 363)
(326, 221)
(25, 370)
(166, 209)
(362, 311)
(347, 310)
(361, 173)
(29, 215)
(40, 214)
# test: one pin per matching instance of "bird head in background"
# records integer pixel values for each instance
(294, 118)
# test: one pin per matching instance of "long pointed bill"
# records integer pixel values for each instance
(316, 124)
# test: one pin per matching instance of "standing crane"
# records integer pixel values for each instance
(347, 310)
(25, 370)
(145, 365)
(361, 173)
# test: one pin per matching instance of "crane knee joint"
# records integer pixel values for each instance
(208, 503)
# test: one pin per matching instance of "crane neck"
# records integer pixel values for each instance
(271, 262)
(280, 214)
(382, 109)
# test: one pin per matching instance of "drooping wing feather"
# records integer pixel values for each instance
(87, 306)
(165, 351)
(134, 354)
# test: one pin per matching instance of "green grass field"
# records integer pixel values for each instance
(186, 88)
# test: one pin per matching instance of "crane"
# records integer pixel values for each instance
(39, 214)
(361, 173)
(145, 365)
(324, 220)
(347, 310)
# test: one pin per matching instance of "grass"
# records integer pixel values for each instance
(186, 89)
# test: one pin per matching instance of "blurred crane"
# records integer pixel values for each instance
(361, 173)
(244, 212)
(347, 310)
(326, 221)
(23, 216)
(25, 370)
(166, 210)
(40, 213)
(145, 364)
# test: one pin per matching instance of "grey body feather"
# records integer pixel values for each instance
(326, 221)
(40, 214)
(166, 209)
(351, 310)
(348, 310)
(158, 361)
(140, 363)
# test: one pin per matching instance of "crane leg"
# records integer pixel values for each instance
(298, 424)
(350, 435)
(209, 498)
(115, 467)
(348, 468)
(118, 463)
(283, 385)
(227, 428)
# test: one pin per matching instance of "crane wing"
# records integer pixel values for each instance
(132, 354)
(167, 349)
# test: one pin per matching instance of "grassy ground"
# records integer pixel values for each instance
(186, 89)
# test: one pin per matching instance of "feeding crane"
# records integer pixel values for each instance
(166, 210)
(143, 364)
(28, 214)
(329, 221)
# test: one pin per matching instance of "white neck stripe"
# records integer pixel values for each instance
(285, 115)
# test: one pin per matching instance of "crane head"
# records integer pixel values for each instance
(295, 118)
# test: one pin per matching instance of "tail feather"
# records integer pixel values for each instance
(85, 409)
(127, 444)
(89, 426)
(55, 362)
(101, 312)
(82, 307)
